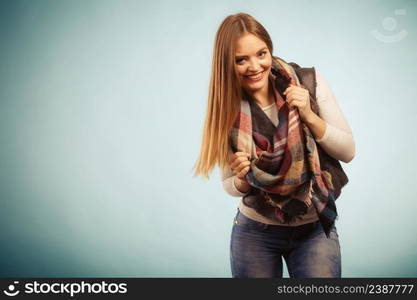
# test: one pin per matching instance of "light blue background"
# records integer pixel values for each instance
(102, 106)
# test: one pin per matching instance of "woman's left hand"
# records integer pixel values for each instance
(300, 98)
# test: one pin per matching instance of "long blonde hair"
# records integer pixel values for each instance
(225, 91)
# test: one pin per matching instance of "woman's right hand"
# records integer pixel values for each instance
(240, 164)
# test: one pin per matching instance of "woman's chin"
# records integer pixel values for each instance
(255, 87)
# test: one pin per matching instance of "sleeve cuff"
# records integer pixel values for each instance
(325, 135)
(235, 188)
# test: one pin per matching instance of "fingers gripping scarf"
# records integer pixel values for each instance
(287, 172)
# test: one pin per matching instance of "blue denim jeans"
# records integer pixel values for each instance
(256, 250)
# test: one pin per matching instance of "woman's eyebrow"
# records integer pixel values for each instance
(240, 56)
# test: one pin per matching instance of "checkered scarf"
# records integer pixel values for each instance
(286, 171)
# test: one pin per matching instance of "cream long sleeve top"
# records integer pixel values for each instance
(337, 141)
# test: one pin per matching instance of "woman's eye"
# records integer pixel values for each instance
(239, 61)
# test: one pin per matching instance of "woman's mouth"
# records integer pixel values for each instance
(256, 77)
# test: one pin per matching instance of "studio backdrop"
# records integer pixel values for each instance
(102, 105)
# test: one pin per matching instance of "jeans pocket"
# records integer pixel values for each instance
(243, 221)
(319, 231)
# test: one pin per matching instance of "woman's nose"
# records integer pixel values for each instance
(254, 66)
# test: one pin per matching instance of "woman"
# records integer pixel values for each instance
(277, 134)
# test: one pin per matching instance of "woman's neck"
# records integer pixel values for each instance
(265, 96)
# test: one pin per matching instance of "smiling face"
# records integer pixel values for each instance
(253, 62)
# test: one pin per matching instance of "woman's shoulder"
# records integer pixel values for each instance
(319, 77)
(323, 89)
(320, 81)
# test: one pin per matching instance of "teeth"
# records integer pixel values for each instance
(257, 76)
